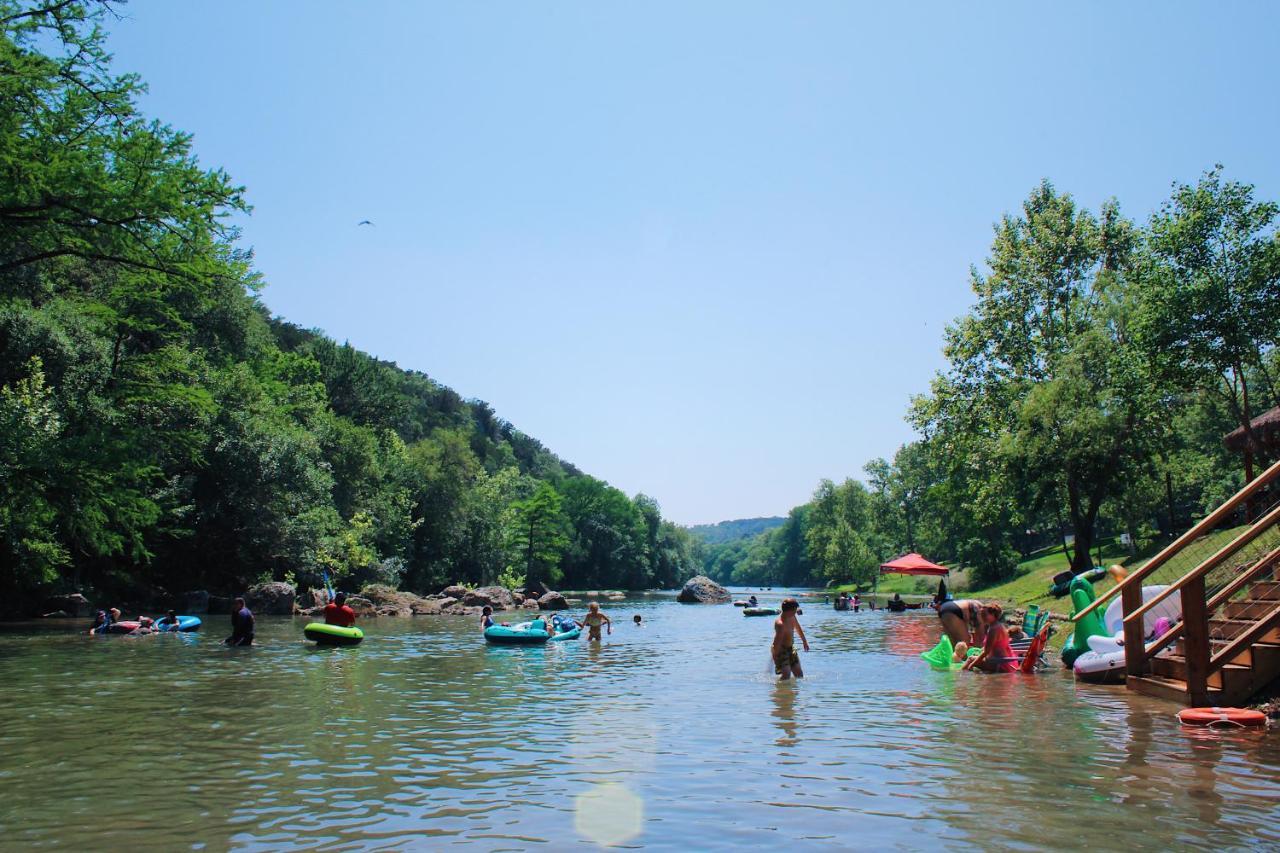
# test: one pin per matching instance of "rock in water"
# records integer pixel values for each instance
(552, 601)
(271, 599)
(703, 590)
(455, 591)
(499, 598)
(195, 601)
(74, 604)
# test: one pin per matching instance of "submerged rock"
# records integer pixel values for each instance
(703, 590)
(271, 599)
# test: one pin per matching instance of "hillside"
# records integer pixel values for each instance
(160, 431)
(731, 531)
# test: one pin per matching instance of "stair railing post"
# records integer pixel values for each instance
(1135, 649)
(1195, 641)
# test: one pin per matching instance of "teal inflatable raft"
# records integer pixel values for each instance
(760, 611)
(333, 635)
(516, 635)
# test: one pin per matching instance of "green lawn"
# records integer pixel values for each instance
(1034, 576)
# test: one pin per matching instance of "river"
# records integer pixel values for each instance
(673, 735)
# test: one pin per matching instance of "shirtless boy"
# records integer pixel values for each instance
(786, 662)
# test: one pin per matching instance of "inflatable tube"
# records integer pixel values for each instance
(565, 629)
(185, 624)
(1081, 597)
(333, 635)
(760, 611)
(126, 627)
(515, 635)
(742, 604)
(1062, 582)
(1214, 717)
(940, 656)
(1170, 608)
(1100, 668)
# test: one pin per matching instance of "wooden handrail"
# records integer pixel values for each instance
(1218, 598)
(1268, 560)
(1238, 644)
(1255, 530)
(1206, 524)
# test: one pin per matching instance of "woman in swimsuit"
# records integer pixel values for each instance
(960, 621)
(997, 654)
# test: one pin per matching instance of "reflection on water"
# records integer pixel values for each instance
(674, 735)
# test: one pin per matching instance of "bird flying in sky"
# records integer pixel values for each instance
(365, 222)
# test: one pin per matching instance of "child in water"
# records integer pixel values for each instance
(786, 662)
(636, 619)
(594, 619)
(961, 652)
(486, 617)
(997, 654)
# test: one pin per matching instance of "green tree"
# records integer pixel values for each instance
(537, 535)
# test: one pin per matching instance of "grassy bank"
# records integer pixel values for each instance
(1033, 577)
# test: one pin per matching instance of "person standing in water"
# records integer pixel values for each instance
(786, 662)
(961, 622)
(241, 625)
(594, 619)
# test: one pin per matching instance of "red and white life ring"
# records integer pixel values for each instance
(1240, 717)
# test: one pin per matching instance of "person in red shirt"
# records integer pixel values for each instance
(337, 612)
(997, 653)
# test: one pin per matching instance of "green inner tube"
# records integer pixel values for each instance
(760, 611)
(332, 635)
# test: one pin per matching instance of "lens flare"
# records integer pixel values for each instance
(608, 814)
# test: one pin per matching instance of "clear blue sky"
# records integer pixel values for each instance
(702, 250)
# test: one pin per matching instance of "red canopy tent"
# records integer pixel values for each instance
(913, 564)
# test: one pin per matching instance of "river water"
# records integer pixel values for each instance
(673, 735)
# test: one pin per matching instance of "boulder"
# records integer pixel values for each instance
(312, 598)
(552, 601)
(426, 607)
(271, 599)
(455, 591)
(703, 590)
(448, 603)
(496, 597)
(363, 607)
(74, 604)
(195, 601)
(529, 604)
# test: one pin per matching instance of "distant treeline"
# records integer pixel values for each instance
(1088, 393)
(159, 430)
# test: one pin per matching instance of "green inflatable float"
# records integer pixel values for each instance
(939, 657)
(1090, 626)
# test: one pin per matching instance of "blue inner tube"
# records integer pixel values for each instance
(515, 635)
(567, 633)
(760, 611)
(323, 634)
(185, 623)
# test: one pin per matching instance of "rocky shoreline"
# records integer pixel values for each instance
(281, 599)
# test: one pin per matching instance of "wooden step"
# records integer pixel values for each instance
(1247, 608)
(1175, 667)
(1172, 689)
(1178, 649)
(1269, 590)
(1227, 629)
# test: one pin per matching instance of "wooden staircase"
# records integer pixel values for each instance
(1246, 669)
(1227, 647)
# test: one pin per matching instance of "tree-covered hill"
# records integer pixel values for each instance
(730, 531)
(160, 430)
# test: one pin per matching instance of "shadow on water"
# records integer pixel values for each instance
(674, 735)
